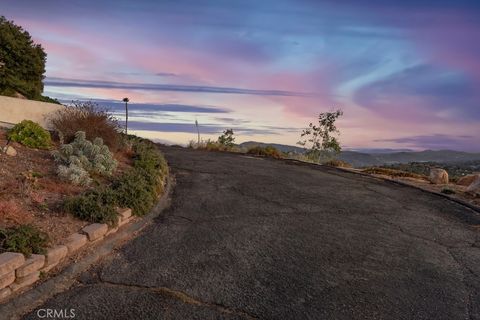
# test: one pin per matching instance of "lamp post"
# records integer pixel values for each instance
(198, 132)
(126, 100)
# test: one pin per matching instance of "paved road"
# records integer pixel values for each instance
(249, 238)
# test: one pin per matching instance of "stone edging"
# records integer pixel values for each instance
(18, 272)
(20, 305)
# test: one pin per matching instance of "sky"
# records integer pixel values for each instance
(405, 73)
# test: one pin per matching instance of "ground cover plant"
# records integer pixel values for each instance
(30, 134)
(25, 239)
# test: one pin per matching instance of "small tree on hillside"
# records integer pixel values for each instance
(227, 139)
(23, 62)
(320, 140)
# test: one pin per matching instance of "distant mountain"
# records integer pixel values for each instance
(377, 150)
(375, 158)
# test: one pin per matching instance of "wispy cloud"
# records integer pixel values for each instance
(75, 83)
(204, 128)
(156, 107)
(438, 142)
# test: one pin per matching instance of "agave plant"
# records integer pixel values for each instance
(81, 157)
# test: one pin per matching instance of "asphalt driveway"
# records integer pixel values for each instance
(250, 238)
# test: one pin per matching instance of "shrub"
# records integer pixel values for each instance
(25, 239)
(30, 134)
(90, 118)
(137, 189)
(133, 190)
(227, 139)
(337, 163)
(82, 157)
(268, 151)
(96, 206)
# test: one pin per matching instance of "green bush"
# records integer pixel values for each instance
(227, 139)
(25, 239)
(137, 189)
(96, 206)
(133, 190)
(30, 134)
(82, 157)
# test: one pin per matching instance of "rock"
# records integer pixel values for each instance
(7, 279)
(112, 230)
(25, 281)
(54, 255)
(95, 231)
(9, 151)
(124, 213)
(76, 241)
(5, 292)
(9, 261)
(474, 187)
(32, 264)
(125, 221)
(438, 176)
(468, 179)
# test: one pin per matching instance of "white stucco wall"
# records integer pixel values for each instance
(13, 110)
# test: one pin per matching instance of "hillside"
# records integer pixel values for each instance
(362, 159)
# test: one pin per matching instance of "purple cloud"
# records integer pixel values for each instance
(438, 142)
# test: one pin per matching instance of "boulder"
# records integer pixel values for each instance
(9, 151)
(468, 179)
(474, 188)
(438, 176)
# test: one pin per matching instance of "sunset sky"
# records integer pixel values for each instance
(406, 73)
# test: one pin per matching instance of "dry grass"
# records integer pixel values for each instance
(394, 173)
(337, 163)
(90, 118)
(268, 151)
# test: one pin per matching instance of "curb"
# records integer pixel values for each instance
(446, 196)
(112, 239)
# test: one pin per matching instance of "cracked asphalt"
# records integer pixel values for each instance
(251, 238)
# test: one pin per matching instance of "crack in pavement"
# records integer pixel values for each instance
(449, 249)
(399, 228)
(178, 295)
(464, 282)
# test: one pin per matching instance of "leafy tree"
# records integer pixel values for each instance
(227, 139)
(320, 140)
(22, 62)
